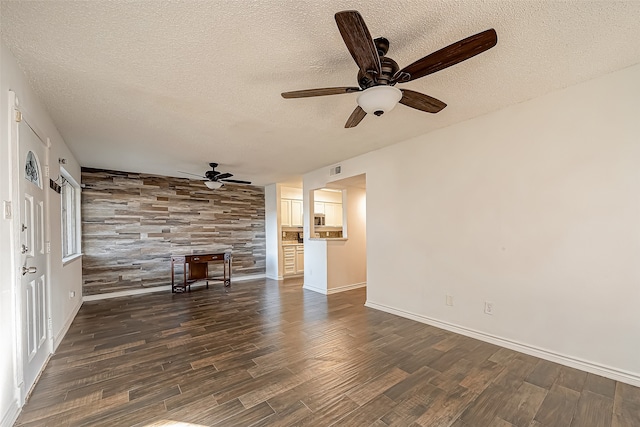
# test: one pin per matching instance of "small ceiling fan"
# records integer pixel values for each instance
(215, 179)
(378, 74)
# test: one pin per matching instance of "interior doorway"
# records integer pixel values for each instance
(347, 257)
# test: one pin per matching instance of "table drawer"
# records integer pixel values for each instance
(204, 258)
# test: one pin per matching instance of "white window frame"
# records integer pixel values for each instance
(70, 217)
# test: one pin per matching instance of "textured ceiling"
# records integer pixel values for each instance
(161, 87)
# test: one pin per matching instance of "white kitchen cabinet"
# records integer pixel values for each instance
(285, 212)
(291, 213)
(300, 259)
(333, 214)
(289, 259)
(296, 213)
(293, 259)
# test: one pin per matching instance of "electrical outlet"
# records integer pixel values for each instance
(449, 300)
(72, 294)
(488, 307)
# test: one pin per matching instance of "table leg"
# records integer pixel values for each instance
(227, 278)
(206, 274)
(184, 277)
(173, 287)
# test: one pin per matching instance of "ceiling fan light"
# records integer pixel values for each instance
(379, 99)
(213, 185)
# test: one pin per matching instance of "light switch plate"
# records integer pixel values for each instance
(7, 209)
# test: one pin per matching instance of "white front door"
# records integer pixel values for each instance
(34, 284)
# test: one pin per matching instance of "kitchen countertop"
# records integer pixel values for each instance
(327, 238)
(291, 243)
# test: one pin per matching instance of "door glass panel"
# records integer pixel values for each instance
(32, 169)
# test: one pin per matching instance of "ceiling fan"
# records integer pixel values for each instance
(378, 74)
(215, 179)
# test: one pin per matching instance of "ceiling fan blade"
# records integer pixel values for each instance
(421, 102)
(224, 176)
(358, 40)
(236, 181)
(192, 174)
(355, 117)
(320, 92)
(448, 56)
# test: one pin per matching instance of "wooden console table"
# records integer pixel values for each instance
(196, 267)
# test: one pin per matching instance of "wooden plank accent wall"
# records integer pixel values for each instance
(132, 223)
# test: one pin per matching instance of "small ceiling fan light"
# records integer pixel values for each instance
(213, 185)
(379, 99)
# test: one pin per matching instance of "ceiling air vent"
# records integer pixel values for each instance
(336, 170)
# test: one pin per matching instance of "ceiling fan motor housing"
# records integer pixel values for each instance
(388, 69)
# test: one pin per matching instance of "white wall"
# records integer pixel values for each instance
(315, 265)
(535, 208)
(63, 279)
(271, 226)
(315, 251)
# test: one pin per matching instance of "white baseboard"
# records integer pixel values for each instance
(346, 288)
(573, 362)
(97, 297)
(58, 339)
(313, 288)
(334, 290)
(164, 288)
(11, 415)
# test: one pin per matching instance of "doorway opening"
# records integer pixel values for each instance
(347, 256)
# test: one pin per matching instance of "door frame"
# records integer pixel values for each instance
(18, 111)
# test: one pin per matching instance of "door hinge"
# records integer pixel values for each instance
(47, 247)
(18, 116)
(46, 171)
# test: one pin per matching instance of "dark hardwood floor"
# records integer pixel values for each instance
(270, 353)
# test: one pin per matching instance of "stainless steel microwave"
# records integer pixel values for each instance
(318, 220)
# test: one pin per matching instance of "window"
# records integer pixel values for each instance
(70, 206)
